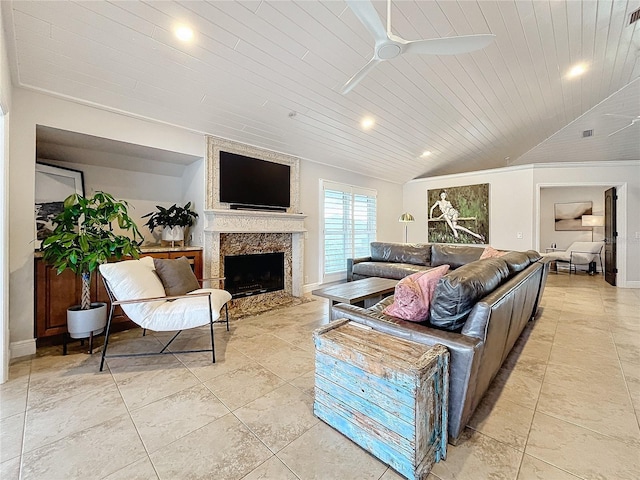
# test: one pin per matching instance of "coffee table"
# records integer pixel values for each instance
(363, 293)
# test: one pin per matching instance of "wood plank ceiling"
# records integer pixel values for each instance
(268, 73)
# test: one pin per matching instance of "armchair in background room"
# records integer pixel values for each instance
(579, 253)
(161, 297)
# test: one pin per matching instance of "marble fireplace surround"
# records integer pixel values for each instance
(252, 231)
(234, 232)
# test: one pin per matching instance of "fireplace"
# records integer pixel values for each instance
(253, 274)
(236, 232)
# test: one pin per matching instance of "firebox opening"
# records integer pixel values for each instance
(253, 274)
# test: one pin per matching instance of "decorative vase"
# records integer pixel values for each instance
(173, 234)
(81, 323)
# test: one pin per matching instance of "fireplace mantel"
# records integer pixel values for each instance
(253, 221)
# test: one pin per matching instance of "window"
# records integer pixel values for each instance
(349, 226)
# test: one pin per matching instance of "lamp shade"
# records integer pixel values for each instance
(592, 220)
(406, 218)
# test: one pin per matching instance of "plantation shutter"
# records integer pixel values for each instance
(349, 226)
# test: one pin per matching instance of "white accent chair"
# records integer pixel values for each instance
(135, 286)
(578, 253)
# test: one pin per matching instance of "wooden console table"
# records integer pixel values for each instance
(55, 293)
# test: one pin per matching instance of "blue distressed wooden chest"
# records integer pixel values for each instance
(387, 394)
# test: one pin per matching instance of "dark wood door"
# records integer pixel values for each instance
(610, 236)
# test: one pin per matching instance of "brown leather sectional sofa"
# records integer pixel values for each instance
(478, 311)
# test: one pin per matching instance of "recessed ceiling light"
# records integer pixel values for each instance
(184, 33)
(426, 153)
(577, 70)
(367, 123)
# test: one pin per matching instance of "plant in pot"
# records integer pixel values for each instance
(173, 221)
(84, 238)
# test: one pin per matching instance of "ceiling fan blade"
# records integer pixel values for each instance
(617, 115)
(367, 14)
(449, 45)
(353, 81)
(623, 128)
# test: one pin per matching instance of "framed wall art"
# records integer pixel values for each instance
(458, 214)
(568, 216)
(53, 185)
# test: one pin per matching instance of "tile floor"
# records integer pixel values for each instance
(564, 406)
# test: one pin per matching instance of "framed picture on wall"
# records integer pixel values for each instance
(458, 214)
(568, 216)
(53, 185)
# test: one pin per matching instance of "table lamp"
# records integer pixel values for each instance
(592, 221)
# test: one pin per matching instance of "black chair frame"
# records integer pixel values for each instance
(573, 265)
(114, 303)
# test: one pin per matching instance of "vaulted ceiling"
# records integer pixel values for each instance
(269, 73)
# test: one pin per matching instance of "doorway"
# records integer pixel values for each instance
(543, 229)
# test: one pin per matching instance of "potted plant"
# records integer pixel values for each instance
(83, 238)
(173, 220)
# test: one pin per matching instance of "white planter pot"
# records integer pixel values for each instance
(173, 234)
(80, 323)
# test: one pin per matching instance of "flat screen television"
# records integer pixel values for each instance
(250, 182)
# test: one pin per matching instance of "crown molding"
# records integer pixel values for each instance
(534, 166)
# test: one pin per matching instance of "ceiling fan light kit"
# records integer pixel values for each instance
(389, 46)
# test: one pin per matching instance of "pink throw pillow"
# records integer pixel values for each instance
(413, 295)
(490, 252)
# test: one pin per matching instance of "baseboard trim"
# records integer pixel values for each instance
(627, 284)
(22, 348)
(309, 287)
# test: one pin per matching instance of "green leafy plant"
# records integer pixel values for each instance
(84, 238)
(173, 216)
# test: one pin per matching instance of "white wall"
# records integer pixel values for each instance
(28, 110)
(5, 108)
(515, 204)
(193, 190)
(142, 191)
(552, 195)
(510, 208)
(389, 208)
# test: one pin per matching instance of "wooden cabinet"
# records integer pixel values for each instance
(55, 293)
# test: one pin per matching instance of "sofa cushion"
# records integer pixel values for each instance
(458, 291)
(516, 261)
(387, 269)
(176, 275)
(454, 255)
(413, 253)
(413, 295)
(490, 252)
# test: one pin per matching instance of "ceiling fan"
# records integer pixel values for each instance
(389, 46)
(628, 117)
